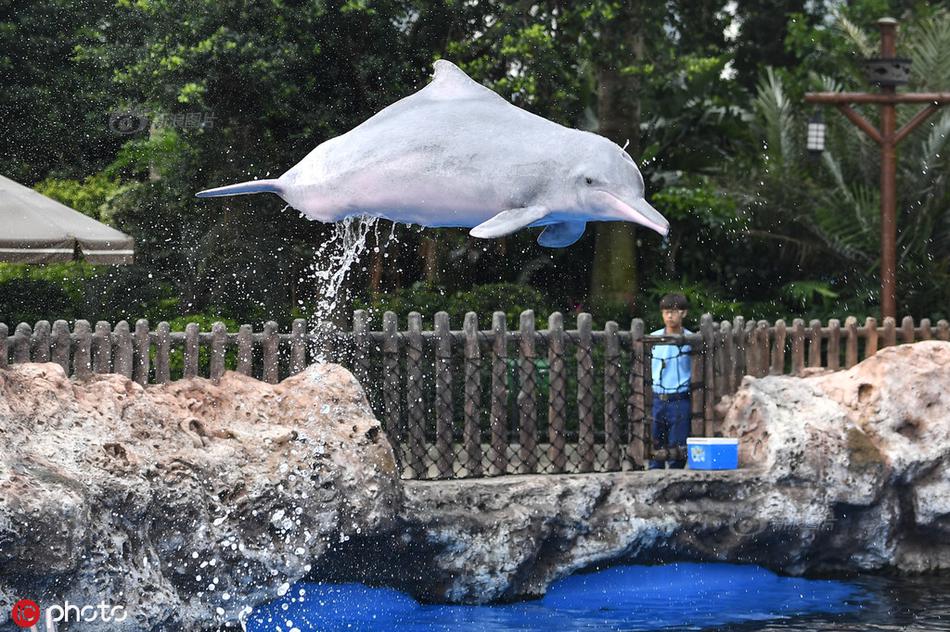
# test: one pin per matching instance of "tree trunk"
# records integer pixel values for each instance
(614, 274)
(430, 260)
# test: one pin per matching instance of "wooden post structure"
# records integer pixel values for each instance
(887, 137)
(415, 404)
(472, 432)
(527, 396)
(499, 395)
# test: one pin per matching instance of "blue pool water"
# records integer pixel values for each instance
(677, 596)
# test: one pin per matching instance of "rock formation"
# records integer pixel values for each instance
(843, 471)
(185, 503)
(192, 501)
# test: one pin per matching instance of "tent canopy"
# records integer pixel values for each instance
(37, 229)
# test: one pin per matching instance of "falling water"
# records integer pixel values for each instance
(333, 261)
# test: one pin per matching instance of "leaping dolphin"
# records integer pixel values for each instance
(456, 154)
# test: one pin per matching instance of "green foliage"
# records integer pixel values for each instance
(484, 300)
(716, 122)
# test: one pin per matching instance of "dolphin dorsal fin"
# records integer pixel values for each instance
(450, 82)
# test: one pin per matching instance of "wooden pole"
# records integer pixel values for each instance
(499, 395)
(162, 353)
(443, 395)
(887, 137)
(415, 404)
(585, 392)
(473, 397)
(557, 393)
(527, 395)
(142, 359)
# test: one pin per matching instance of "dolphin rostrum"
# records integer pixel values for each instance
(457, 154)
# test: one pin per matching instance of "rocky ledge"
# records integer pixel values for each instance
(193, 501)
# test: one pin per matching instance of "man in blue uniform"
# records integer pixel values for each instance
(671, 375)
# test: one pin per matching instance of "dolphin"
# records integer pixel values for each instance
(456, 154)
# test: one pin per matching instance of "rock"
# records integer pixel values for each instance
(184, 503)
(841, 472)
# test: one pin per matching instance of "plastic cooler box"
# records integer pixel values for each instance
(713, 453)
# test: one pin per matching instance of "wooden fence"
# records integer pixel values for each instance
(478, 402)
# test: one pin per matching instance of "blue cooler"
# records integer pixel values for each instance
(713, 453)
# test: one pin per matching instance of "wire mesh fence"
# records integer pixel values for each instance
(485, 402)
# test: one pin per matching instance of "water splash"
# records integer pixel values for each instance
(332, 263)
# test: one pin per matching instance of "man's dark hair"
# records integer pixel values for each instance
(674, 301)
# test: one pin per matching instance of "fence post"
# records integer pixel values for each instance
(82, 357)
(142, 359)
(269, 342)
(814, 344)
(636, 413)
(778, 349)
(762, 344)
(870, 337)
(391, 376)
(585, 392)
(245, 350)
(123, 349)
(102, 347)
(415, 406)
(61, 345)
(890, 332)
(925, 331)
(798, 346)
(696, 387)
(751, 349)
(834, 344)
(361, 349)
(851, 346)
(21, 343)
(943, 330)
(738, 332)
(443, 394)
(4, 334)
(298, 346)
(41, 341)
(325, 342)
(720, 359)
(527, 395)
(557, 394)
(162, 353)
(191, 350)
(728, 343)
(907, 329)
(499, 393)
(473, 397)
(219, 341)
(709, 379)
(612, 396)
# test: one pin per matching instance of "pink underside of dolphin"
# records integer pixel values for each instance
(455, 154)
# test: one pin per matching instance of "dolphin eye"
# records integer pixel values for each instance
(589, 180)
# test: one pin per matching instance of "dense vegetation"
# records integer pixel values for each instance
(708, 94)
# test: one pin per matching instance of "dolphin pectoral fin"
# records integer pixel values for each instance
(509, 221)
(562, 234)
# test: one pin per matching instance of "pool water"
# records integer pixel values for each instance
(682, 596)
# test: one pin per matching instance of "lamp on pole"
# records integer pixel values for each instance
(888, 72)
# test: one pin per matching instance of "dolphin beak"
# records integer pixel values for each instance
(640, 212)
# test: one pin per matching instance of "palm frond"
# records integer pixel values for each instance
(776, 113)
(928, 44)
(858, 37)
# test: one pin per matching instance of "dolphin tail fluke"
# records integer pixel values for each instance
(243, 188)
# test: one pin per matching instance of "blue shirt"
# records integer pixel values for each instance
(672, 367)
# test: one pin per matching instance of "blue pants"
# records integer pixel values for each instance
(671, 425)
